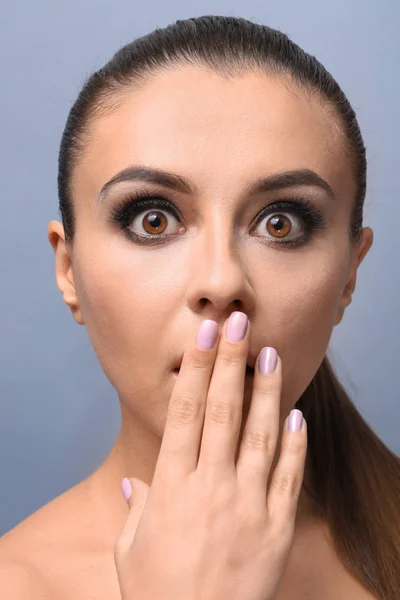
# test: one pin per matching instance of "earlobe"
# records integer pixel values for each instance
(64, 273)
(366, 242)
(362, 248)
(347, 294)
(346, 300)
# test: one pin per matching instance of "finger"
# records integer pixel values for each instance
(287, 479)
(258, 445)
(136, 492)
(182, 434)
(223, 416)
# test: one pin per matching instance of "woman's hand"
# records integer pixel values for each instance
(207, 528)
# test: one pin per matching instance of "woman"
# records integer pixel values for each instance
(213, 168)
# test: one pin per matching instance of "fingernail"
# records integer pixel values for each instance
(295, 420)
(126, 488)
(236, 326)
(267, 360)
(207, 334)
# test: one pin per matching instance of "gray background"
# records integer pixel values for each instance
(59, 413)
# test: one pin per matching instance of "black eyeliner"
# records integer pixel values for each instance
(123, 213)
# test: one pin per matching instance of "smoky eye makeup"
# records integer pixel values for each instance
(304, 210)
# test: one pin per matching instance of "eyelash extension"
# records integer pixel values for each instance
(135, 203)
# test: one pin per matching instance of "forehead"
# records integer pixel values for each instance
(215, 131)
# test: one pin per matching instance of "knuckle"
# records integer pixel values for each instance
(268, 386)
(293, 445)
(184, 410)
(256, 440)
(229, 358)
(287, 482)
(219, 410)
(265, 393)
(199, 361)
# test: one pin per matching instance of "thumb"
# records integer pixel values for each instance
(135, 492)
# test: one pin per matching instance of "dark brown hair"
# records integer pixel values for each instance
(353, 476)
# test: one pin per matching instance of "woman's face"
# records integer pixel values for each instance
(210, 251)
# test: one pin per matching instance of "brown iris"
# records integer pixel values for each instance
(279, 226)
(155, 219)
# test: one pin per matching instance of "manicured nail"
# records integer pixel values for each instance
(126, 488)
(236, 326)
(207, 334)
(267, 360)
(295, 420)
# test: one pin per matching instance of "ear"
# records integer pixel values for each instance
(361, 248)
(64, 273)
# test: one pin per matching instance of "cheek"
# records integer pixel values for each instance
(305, 315)
(126, 309)
(125, 312)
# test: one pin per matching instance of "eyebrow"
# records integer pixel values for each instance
(173, 181)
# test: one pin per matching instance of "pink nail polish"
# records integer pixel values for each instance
(267, 360)
(207, 334)
(236, 326)
(295, 420)
(126, 488)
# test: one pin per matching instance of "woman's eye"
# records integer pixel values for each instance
(278, 226)
(281, 226)
(154, 222)
(147, 220)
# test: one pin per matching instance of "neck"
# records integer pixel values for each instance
(135, 454)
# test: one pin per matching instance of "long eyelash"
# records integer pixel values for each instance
(128, 208)
(124, 212)
(311, 216)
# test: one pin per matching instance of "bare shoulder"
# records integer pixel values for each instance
(58, 552)
(19, 581)
(23, 559)
(30, 551)
(35, 535)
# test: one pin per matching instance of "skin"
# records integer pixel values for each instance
(143, 304)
